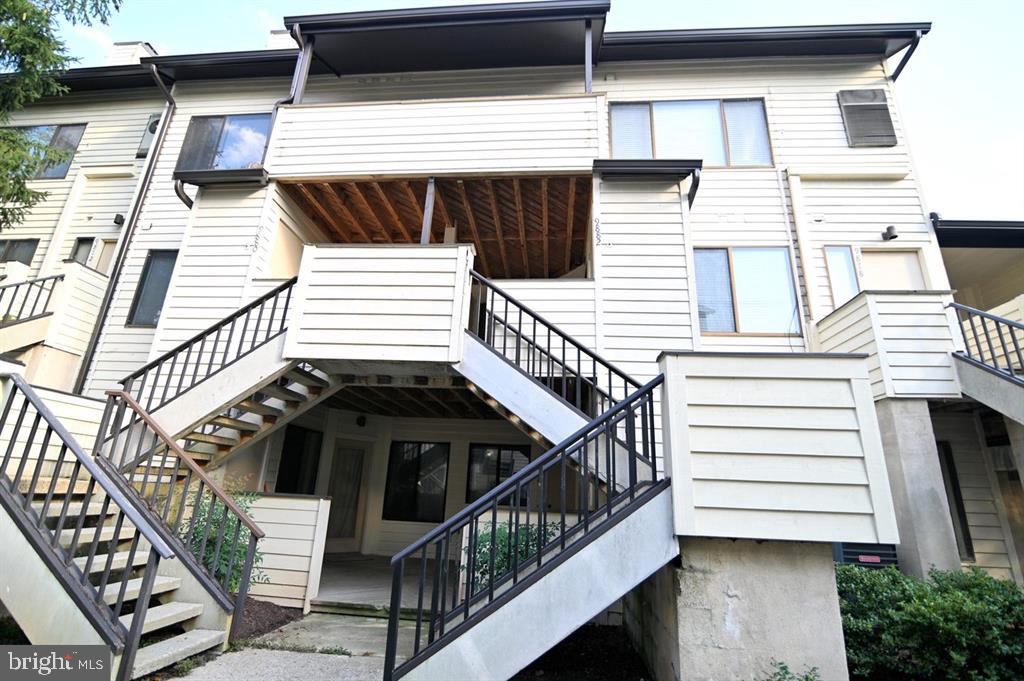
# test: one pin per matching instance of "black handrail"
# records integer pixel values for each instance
(565, 366)
(988, 347)
(190, 363)
(200, 519)
(26, 300)
(593, 488)
(62, 540)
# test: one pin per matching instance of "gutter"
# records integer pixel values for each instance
(130, 225)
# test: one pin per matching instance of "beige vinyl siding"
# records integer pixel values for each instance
(403, 303)
(985, 518)
(115, 122)
(642, 283)
(908, 336)
(776, 448)
(566, 303)
(93, 214)
(210, 275)
(440, 136)
(292, 548)
(81, 293)
(281, 211)
(164, 218)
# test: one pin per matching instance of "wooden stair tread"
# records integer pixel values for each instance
(282, 393)
(235, 424)
(256, 407)
(218, 440)
(306, 378)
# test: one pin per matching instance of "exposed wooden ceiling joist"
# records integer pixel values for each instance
(522, 227)
(454, 402)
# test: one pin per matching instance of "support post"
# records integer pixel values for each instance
(428, 212)
(302, 70)
(588, 58)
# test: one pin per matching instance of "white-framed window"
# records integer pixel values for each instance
(746, 290)
(63, 138)
(720, 132)
(842, 273)
(81, 249)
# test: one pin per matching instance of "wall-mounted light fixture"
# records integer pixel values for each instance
(118, 219)
(890, 233)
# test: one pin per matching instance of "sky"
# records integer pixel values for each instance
(961, 97)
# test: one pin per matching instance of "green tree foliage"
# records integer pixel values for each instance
(32, 56)
(954, 625)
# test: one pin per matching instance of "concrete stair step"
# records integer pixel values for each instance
(172, 650)
(166, 615)
(62, 487)
(218, 440)
(235, 424)
(88, 533)
(119, 562)
(256, 407)
(160, 585)
(75, 508)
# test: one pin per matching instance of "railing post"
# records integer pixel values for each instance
(390, 652)
(243, 588)
(131, 644)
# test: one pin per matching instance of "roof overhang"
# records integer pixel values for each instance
(251, 64)
(979, 233)
(122, 77)
(447, 38)
(646, 167)
(882, 40)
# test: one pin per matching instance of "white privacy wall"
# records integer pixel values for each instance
(439, 136)
(775, 447)
(373, 302)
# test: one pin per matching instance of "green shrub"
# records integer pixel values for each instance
(955, 625)
(782, 672)
(527, 540)
(207, 516)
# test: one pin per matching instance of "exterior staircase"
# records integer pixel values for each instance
(991, 366)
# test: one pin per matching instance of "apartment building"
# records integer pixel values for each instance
(508, 323)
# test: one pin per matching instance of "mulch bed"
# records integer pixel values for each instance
(261, 617)
(594, 653)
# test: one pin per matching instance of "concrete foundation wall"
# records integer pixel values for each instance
(734, 606)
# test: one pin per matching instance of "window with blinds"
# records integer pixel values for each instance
(867, 118)
(730, 132)
(746, 290)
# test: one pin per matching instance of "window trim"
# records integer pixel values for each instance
(735, 304)
(725, 128)
(525, 449)
(387, 482)
(855, 257)
(88, 255)
(138, 288)
(153, 120)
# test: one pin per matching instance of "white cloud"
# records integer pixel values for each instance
(99, 37)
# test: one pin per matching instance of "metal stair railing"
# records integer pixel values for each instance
(63, 542)
(205, 525)
(457, 587)
(27, 300)
(550, 356)
(991, 342)
(210, 351)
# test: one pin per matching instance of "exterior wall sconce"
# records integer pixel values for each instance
(890, 233)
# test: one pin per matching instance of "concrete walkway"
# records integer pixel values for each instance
(287, 653)
(283, 665)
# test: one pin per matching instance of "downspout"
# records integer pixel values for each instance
(130, 225)
(907, 56)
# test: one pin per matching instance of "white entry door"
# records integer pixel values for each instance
(892, 271)
(345, 523)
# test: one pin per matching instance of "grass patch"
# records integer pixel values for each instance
(264, 645)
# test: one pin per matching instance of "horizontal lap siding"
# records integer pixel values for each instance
(80, 416)
(388, 303)
(164, 219)
(290, 525)
(851, 329)
(73, 321)
(985, 519)
(567, 304)
(114, 128)
(777, 449)
(500, 135)
(916, 342)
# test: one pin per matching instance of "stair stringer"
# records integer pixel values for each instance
(561, 601)
(518, 393)
(35, 597)
(225, 388)
(997, 392)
